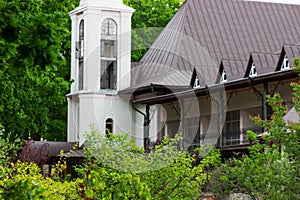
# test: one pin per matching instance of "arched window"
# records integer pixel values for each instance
(108, 54)
(196, 83)
(79, 55)
(223, 77)
(109, 126)
(285, 64)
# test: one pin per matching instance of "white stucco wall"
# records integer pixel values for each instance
(93, 105)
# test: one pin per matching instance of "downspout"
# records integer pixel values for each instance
(264, 102)
(146, 126)
(219, 109)
(181, 127)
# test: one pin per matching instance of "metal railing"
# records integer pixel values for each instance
(227, 138)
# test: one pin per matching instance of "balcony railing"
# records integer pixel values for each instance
(227, 138)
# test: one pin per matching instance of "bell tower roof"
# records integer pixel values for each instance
(103, 4)
(100, 2)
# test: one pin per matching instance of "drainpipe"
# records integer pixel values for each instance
(181, 126)
(220, 113)
(264, 102)
(146, 126)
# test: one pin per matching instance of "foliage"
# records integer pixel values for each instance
(117, 169)
(271, 170)
(9, 150)
(24, 181)
(35, 60)
(148, 20)
(58, 171)
(34, 67)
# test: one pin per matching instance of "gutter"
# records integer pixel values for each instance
(241, 83)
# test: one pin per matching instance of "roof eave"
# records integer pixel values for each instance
(241, 83)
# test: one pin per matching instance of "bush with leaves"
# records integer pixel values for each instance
(117, 169)
(9, 149)
(271, 170)
(24, 181)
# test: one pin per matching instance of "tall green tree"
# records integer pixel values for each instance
(34, 67)
(35, 60)
(148, 20)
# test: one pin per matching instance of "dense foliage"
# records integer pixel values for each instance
(117, 169)
(35, 60)
(271, 170)
(25, 181)
(34, 67)
(148, 20)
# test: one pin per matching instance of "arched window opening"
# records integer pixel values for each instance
(196, 83)
(79, 55)
(108, 126)
(223, 77)
(253, 71)
(108, 54)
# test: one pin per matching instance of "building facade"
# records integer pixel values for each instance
(100, 67)
(208, 71)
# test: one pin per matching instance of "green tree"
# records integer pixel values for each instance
(271, 170)
(148, 20)
(34, 67)
(117, 169)
(35, 60)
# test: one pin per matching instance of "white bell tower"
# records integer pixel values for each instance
(100, 67)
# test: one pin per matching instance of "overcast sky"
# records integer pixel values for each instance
(280, 1)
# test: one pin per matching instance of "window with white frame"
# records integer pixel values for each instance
(79, 54)
(253, 71)
(196, 83)
(223, 77)
(285, 64)
(108, 54)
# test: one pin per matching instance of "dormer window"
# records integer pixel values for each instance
(108, 54)
(223, 77)
(79, 54)
(253, 71)
(285, 64)
(196, 83)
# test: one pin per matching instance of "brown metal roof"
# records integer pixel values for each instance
(205, 32)
(42, 152)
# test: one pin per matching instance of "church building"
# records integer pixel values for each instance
(209, 70)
